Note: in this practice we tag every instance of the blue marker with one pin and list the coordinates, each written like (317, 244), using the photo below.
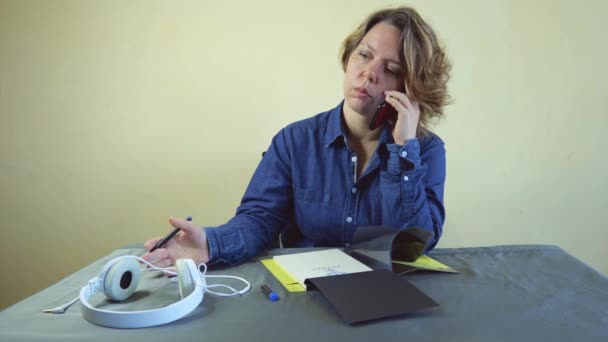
(169, 236)
(269, 293)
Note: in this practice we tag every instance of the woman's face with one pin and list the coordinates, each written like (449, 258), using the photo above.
(372, 68)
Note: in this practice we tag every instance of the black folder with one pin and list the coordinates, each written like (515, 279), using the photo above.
(366, 296)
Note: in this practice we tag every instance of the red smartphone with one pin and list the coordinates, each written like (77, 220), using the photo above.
(384, 112)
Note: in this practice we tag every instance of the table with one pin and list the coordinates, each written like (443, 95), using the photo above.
(504, 293)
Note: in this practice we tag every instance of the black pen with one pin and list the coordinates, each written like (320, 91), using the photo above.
(269, 293)
(169, 236)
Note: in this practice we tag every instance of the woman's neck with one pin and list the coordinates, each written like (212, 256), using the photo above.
(357, 129)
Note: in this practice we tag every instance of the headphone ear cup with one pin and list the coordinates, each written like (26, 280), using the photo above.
(184, 279)
(121, 280)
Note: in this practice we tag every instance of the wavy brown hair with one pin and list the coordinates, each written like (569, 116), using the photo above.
(426, 67)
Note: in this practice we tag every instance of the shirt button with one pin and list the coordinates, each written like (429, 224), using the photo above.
(354, 159)
(349, 219)
(404, 154)
(406, 178)
(353, 190)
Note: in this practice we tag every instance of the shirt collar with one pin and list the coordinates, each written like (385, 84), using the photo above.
(335, 129)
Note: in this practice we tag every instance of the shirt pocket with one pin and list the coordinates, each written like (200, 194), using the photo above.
(313, 214)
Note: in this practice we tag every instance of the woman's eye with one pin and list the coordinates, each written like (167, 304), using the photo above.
(394, 72)
(363, 54)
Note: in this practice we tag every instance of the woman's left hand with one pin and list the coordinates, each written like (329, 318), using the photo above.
(408, 115)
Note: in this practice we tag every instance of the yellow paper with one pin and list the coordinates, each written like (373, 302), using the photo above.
(288, 281)
(427, 263)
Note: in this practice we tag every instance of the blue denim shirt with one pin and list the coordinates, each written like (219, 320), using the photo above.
(307, 178)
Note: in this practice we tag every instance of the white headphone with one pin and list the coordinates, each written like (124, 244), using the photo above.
(118, 280)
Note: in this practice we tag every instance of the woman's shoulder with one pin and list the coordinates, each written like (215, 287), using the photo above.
(318, 125)
(430, 140)
(312, 131)
(318, 120)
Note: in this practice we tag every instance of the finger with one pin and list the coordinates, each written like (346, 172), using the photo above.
(155, 256)
(396, 104)
(186, 226)
(151, 243)
(401, 97)
(163, 263)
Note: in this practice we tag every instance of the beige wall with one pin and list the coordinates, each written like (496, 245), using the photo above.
(115, 115)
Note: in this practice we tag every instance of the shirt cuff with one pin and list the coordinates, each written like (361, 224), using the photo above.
(213, 244)
(403, 158)
(226, 245)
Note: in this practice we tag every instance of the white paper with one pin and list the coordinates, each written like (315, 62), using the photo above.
(328, 262)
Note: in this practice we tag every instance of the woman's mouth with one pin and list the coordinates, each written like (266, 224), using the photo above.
(361, 92)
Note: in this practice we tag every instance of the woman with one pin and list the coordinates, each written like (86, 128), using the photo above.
(331, 173)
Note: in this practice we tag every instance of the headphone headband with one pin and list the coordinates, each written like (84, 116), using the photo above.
(118, 279)
(143, 318)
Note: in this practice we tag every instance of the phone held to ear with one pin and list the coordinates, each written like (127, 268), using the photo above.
(384, 113)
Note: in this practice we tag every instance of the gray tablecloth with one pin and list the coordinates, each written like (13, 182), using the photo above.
(504, 293)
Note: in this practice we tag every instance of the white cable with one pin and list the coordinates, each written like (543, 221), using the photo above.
(222, 294)
(234, 292)
(62, 308)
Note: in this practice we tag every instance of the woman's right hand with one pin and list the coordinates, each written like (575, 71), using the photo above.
(189, 243)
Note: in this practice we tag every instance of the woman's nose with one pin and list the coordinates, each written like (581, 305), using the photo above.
(371, 72)
(370, 75)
